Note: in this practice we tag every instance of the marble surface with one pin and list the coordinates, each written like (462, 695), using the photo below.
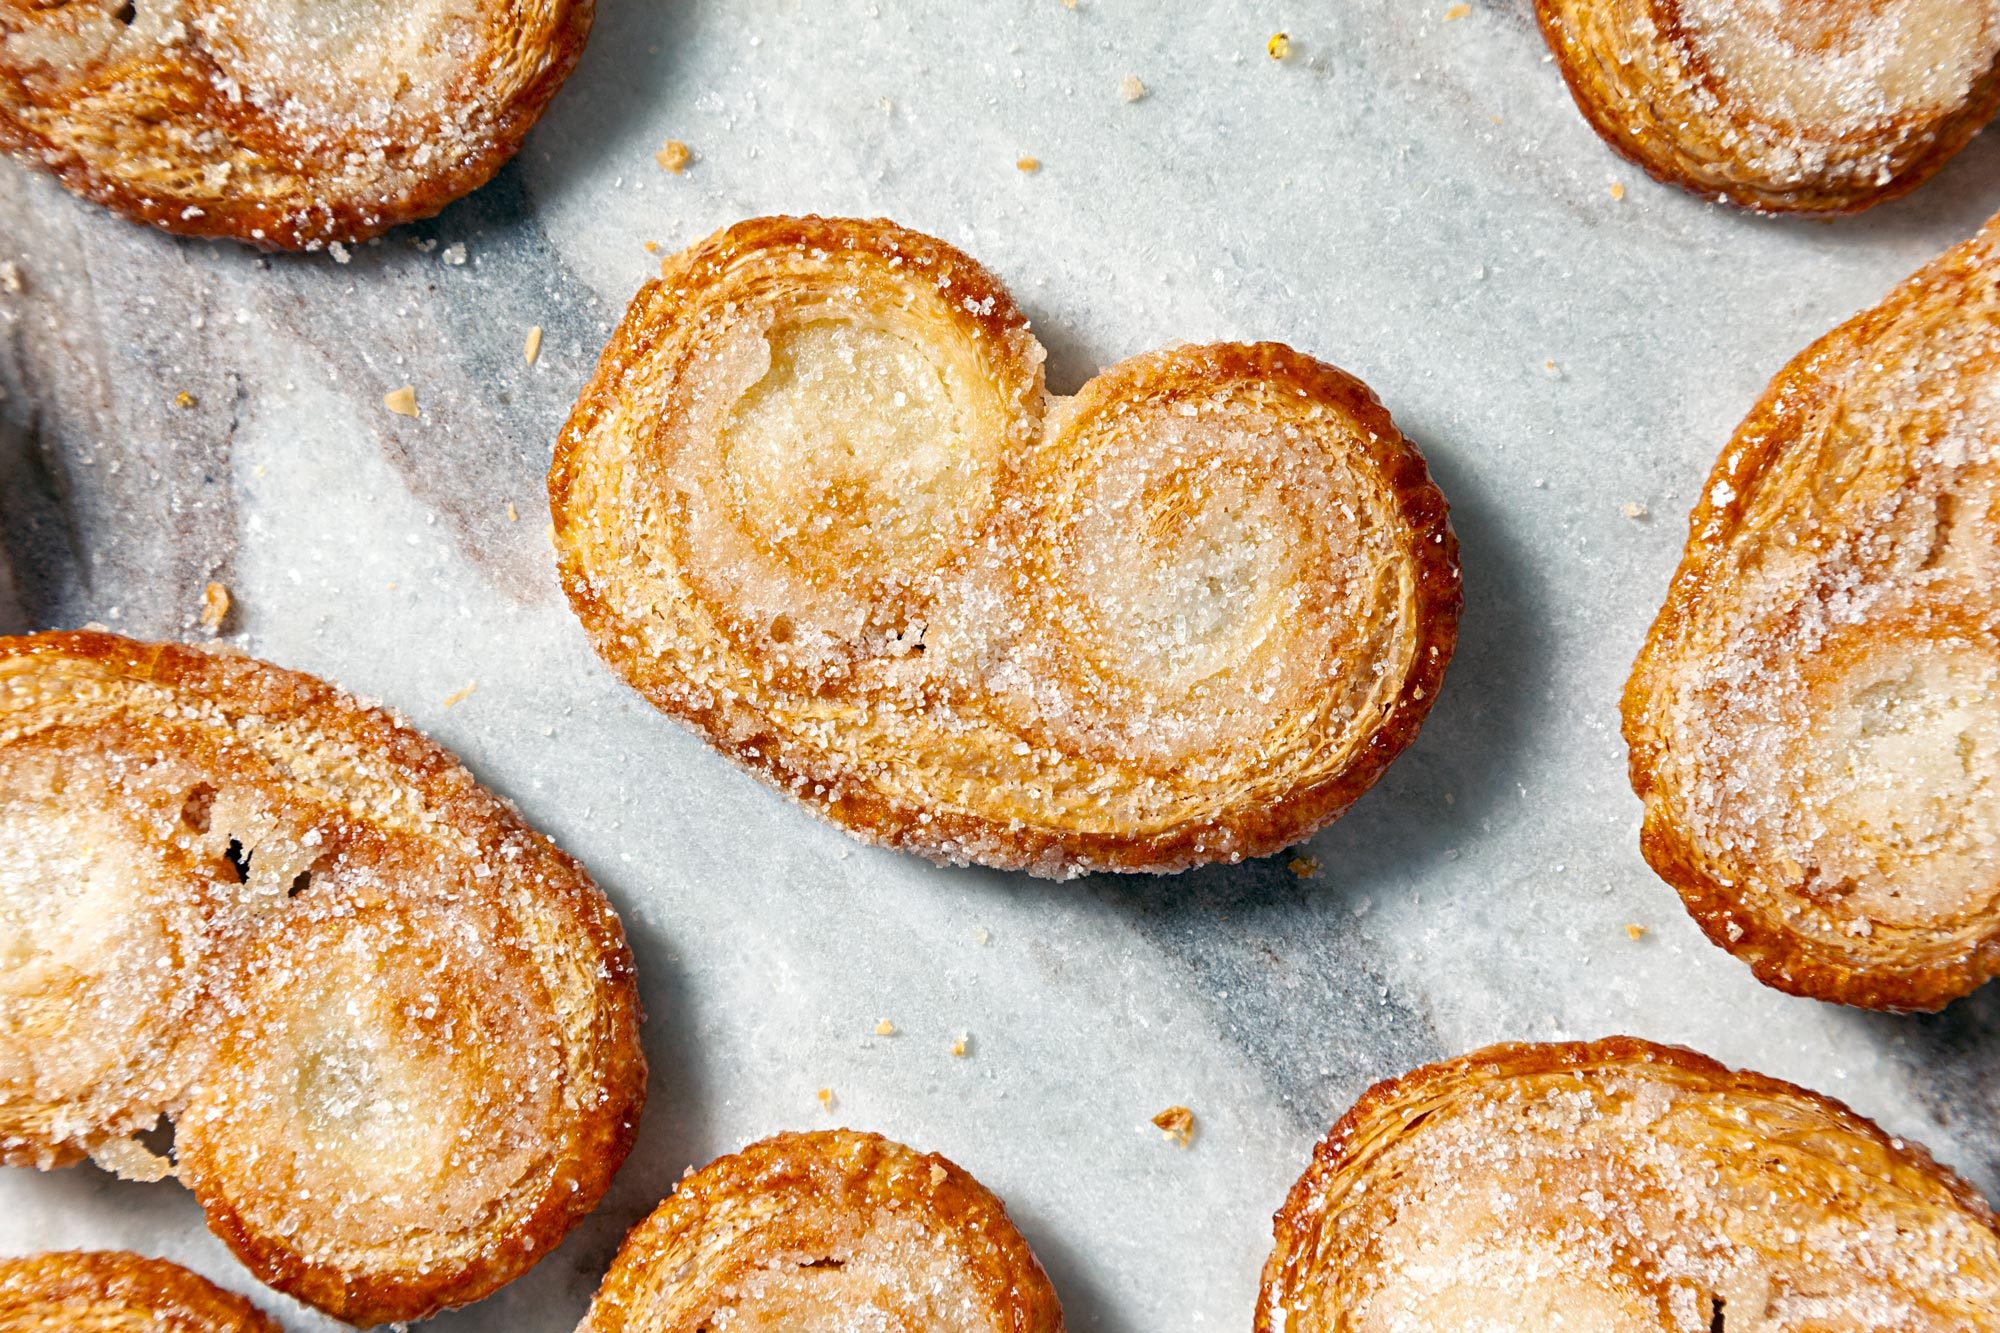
(1414, 199)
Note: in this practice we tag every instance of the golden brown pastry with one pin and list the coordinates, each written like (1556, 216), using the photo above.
(396, 1028)
(829, 1231)
(110, 1291)
(1815, 719)
(1786, 106)
(285, 123)
(1622, 1187)
(817, 503)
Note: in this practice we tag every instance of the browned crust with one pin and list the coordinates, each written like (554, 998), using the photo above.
(739, 1209)
(1778, 954)
(1664, 131)
(746, 735)
(150, 109)
(113, 1290)
(600, 1137)
(1302, 1215)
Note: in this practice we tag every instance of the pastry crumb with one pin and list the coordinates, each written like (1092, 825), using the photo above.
(1632, 509)
(1176, 1123)
(825, 1096)
(184, 399)
(1305, 867)
(652, 247)
(531, 350)
(513, 514)
(10, 278)
(457, 697)
(1617, 191)
(1635, 932)
(1130, 89)
(403, 401)
(674, 156)
(1028, 164)
(1457, 12)
(982, 936)
(962, 1046)
(214, 607)
(885, 1029)
(454, 254)
(1279, 47)
(1551, 369)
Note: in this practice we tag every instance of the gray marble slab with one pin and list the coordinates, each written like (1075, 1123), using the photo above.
(1411, 198)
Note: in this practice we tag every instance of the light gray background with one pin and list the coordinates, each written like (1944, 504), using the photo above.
(1413, 199)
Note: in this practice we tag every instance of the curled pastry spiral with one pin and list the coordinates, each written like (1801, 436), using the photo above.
(1814, 722)
(396, 1028)
(110, 1291)
(834, 1230)
(1622, 1187)
(1822, 107)
(817, 503)
(289, 124)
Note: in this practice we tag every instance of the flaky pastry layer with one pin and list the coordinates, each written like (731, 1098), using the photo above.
(396, 1029)
(1823, 107)
(1619, 1186)
(817, 503)
(829, 1231)
(1814, 721)
(110, 1291)
(289, 124)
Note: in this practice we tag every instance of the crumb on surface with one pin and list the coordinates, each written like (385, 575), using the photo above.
(1550, 368)
(184, 399)
(1305, 867)
(10, 277)
(513, 514)
(214, 607)
(885, 1028)
(652, 247)
(1279, 47)
(962, 1046)
(1635, 932)
(531, 350)
(1457, 12)
(454, 254)
(1617, 191)
(674, 156)
(1029, 164)
(825, 1096)
(1130, 89)
(459, 696)
(982, 936)
(1632, 509)
(1176, 1123)
(403, 401)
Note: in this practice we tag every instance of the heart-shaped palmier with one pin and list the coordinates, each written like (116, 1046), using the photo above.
(395, 1028)
(289, 124)
(817, 503)
(1815, 719)
(110, 1291)
(1826, 106)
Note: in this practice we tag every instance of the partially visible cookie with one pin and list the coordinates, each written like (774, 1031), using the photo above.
(289, 124)
(110, 1291)
(833, 1230)
(1786, 106)
(396, 1029)
(817, 503)
(1814, 721)
(1619, 1186)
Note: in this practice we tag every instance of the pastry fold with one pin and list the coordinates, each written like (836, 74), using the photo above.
(395, 1028)
(110, 1291)
(289, 124)
(1619, 1186)
(1814, 721)
(817, 503)
(832, 1230)
(1785, 106)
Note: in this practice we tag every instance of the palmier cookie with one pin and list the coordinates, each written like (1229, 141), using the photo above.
(1622, 1187)
(1787, 106)
(109, 1291)
(816, 503)
(285, 123)
(396, 1029)
(834, 1230)
(1814, 721)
